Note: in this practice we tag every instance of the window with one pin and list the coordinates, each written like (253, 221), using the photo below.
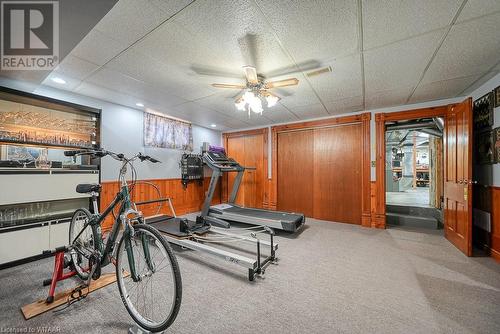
(167, 133)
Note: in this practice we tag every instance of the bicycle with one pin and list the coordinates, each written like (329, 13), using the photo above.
(139, 256)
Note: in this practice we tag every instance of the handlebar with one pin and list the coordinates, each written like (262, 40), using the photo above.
(102, 153)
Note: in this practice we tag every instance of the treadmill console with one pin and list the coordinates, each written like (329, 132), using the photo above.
(218, 157)
(220, 160)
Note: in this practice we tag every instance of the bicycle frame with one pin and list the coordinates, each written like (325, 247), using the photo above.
(106, 250)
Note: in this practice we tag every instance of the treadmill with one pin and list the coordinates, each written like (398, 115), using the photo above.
(220, 215)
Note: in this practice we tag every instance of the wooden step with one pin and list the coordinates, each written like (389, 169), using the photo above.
(32, 310)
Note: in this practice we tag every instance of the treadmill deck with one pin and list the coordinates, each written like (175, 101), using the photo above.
(275, 219)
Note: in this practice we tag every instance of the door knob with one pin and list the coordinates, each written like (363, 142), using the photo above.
(472, 182)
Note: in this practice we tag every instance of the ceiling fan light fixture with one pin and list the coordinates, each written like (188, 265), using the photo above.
(271, 100)
(240, 104)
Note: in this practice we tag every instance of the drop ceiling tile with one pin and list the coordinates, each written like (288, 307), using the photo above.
(219, 102)
(194, 111)
(279, 113)
(105, 94)
(388, 98)
(98, 48)
(71, 83)
(75, 67)
(389, 21)
(34, 77)
(399, 64)
(442, 89)
(470, 48)
(258, 120)
(296, 96)
(345, 105)
(168, 44)
(344, 81)
(166, 77)
(125, 84)
(477, 8)
(314, 30)
(130, 20)
(236, 124)
(224, 26)
(309, 111)
(481, 81)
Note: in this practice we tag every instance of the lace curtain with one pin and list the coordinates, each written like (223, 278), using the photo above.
(167, 133)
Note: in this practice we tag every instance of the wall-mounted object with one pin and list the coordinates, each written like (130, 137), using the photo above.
(497, 96)
(35, 120)
(484, 148)
(496, 145)
(37, 182)
(165, 132)
(191, 168)
(483, 112)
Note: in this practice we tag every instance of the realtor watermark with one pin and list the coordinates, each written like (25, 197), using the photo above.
(38, 329)
(29, 35)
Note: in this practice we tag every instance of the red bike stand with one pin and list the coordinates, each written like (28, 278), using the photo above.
(58, 275)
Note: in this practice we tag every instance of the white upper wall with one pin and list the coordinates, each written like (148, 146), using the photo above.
(122, 132)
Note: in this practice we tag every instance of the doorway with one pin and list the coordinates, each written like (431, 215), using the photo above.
(457, 167)
(414, 174)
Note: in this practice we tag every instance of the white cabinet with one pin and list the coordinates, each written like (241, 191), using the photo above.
(23, 243)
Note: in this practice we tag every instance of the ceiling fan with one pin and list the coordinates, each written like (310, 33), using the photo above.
(257, 89)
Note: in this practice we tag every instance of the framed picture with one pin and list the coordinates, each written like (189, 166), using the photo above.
(484, 148)
(496, 146)
(483, 112)
(497, 97)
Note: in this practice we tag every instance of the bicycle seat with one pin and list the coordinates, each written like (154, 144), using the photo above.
(86, 188)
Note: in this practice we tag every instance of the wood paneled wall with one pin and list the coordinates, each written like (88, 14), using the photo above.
(184, 200)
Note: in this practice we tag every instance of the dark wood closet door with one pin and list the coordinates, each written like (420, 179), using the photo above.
(337, 174)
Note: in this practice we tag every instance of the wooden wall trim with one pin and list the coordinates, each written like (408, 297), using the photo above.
(244, 133)
(364, 119)
(378, 216)
(366, 171)
(439, 111)
(322, 122)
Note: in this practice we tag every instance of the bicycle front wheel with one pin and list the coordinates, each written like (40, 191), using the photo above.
(83, 238)
(154, 298)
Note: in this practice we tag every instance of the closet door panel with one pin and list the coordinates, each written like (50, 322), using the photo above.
(337, 174)
(295, 172)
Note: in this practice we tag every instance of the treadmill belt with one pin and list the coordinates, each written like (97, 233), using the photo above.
(282, 216)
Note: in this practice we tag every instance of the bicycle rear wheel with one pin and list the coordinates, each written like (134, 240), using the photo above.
(85, 243)
(154, 300)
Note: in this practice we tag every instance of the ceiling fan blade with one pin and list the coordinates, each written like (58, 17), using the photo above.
(249, 51)
(251, 74)
(230, 86)
(293, 69)
(214, 72)
(320, 71)
(282, 83)
(267, 92)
